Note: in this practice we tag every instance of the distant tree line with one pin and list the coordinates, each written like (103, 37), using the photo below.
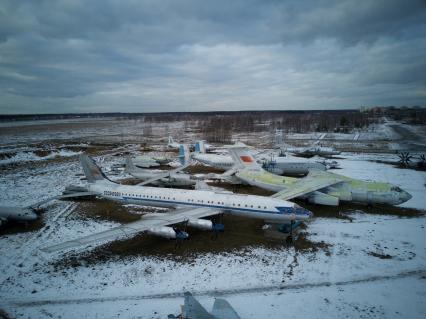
(252, 121)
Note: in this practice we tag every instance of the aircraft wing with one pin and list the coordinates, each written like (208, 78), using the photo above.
(163, 175)
(146, 223)
(72, 195)
(314, 181)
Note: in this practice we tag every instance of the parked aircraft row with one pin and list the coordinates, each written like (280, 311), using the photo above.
(318, 187)
(191, 207)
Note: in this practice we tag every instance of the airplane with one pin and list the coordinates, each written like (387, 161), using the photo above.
(318, 187)
(311, 151)
(32, 212)
(172, 144)
(291, 166)
(194, 310)
(191, 206)
(162, 178)
(150, 161)
(277, 166)
(222, 162)
(25, 214)
(314, 150)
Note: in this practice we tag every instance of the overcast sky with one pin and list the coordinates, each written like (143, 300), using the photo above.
(145, 56)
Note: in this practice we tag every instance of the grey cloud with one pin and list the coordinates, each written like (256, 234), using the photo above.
(146, 55)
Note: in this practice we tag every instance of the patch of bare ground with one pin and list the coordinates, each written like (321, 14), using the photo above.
(303, 244)
(202, 169)
(129, 181)
(42, 153)
(397, 164)
(7, 155)
(13, 227)
(242, 189)
(240, 234)
(380, 255)
(4, 315)
(101, 209)
(344, 211)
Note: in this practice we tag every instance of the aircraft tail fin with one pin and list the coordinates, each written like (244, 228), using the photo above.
(222, 309)
(184, 154)
(91, 170)
(129, 165)
(242, 157)
(200, 147)
(171, 140)
(193, 309)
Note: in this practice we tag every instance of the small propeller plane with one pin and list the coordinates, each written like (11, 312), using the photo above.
(191, 206)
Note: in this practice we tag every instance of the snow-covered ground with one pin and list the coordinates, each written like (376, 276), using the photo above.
(346, 279)
(371, 267)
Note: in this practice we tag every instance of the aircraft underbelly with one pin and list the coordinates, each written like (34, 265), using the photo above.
(268, 216)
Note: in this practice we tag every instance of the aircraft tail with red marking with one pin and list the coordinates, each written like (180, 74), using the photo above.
(243, 158)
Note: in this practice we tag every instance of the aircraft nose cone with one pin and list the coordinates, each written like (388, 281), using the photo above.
(405, 196)
(303, 213)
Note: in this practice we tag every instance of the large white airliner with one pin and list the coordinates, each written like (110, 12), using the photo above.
(192, 206)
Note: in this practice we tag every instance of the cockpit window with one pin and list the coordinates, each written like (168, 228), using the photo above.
(396, 189)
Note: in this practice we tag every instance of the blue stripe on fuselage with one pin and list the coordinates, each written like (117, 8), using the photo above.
(280, 209)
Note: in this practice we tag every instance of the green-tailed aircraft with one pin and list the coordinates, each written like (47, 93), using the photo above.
(318, 187)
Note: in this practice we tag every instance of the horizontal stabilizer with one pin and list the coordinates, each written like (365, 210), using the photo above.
(223, 310)
(193, 309)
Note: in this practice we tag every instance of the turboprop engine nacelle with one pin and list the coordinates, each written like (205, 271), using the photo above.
(203, 224)
(163, 231)
(323, 199)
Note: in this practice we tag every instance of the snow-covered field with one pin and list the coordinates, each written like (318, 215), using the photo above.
(371, 267)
